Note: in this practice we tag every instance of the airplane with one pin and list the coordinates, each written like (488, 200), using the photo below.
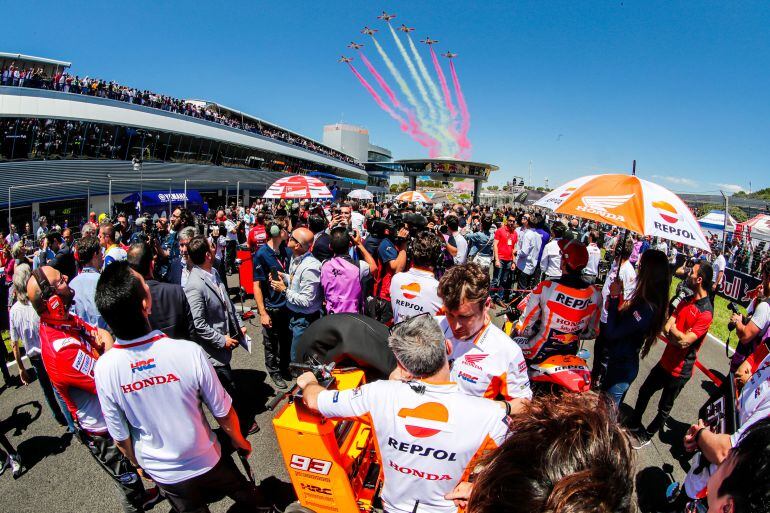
(404, 28)
(368, 31)
(428, 41)
(449, 55)
(386, 17)
(345, 59)
(355, 46)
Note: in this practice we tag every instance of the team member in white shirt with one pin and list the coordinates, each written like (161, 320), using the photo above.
(152, 390)
(550, 261)
(416, 291)
(591, 270)
(457, 246)
(528, 253)
(484, 361)
(719, 267)
(112, 252)
(430, 434)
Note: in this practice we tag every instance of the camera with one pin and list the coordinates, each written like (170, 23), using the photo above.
(683, 292)
(734, 309)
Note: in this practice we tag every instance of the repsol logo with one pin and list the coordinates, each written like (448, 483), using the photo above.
(419, 450)
(419, 473)
(572, 302)
(679, 232)
(148, 382)
(407, 304)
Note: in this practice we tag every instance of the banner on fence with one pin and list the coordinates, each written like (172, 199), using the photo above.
(737, 285)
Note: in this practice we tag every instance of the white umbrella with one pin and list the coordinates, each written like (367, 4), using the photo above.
(297, 187)
(628, 202)
(360, 194)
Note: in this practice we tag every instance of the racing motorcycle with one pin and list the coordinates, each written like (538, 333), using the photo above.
(561, 372)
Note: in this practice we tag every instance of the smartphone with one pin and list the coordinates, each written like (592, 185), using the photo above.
(274, 274)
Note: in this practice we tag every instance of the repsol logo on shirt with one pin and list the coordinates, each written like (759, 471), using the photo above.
(411, 306)
(419, 450)
(571, 302)
(136, 386)
(419, 473)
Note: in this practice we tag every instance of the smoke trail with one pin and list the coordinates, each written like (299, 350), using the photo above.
(420, 112)
(444, 86)
(414, 128)
(416, 77)
(465, 117)
(428, 79)
(377, 98)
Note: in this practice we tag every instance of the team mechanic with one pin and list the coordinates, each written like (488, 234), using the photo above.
(429, 432)
(483, 360)
(752, 405)
(562, 312)
(70, 348)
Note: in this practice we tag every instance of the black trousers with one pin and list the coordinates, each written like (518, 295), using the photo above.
(225, 375)
(601, 357)
(194, 495)
(277, 341)
(658, 379)
(123, 474)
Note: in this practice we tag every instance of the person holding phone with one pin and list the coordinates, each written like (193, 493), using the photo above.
(270, 258)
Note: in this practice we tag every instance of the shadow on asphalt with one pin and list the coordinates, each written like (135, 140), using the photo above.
(280, 493)
(254, 393)
(21, 418)
(651, 485)
(35, 449)
(673, 436)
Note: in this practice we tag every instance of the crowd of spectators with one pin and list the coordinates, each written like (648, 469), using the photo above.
(15, 76)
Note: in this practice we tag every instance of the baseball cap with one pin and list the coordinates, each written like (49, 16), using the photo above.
(574, 254)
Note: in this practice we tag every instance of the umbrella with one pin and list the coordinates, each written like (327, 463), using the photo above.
(297, 187)
(360, 194)
(411, 196)
(628, 202)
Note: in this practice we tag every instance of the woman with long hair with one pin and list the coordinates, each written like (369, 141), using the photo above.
(632, 327)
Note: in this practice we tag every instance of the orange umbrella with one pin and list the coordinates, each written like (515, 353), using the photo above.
(628, 202)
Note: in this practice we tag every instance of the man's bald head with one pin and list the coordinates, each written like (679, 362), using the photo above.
(304, 236)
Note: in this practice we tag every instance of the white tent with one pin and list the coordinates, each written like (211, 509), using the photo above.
(757, 228)
(714, 221)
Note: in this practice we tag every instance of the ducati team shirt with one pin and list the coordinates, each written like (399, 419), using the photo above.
(414, 292)
(489, 364)
(427, 439)
(151, 390)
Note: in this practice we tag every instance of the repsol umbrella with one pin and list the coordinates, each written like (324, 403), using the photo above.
(297, 187)
(628, 202)
(412, 196)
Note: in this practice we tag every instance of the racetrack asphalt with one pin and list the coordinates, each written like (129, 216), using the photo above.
(61, 476)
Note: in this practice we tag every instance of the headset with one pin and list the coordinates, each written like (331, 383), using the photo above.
(54, 304)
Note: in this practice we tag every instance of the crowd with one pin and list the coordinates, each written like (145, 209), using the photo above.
(16, 76)
(131, 330)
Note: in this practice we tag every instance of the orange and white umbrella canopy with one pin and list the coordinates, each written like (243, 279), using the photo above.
(412, 196)
(628, 202)
(297, 187)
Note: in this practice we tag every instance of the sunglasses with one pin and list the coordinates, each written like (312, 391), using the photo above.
(298, 243)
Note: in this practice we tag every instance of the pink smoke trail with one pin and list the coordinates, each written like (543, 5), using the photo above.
(465, 117)
(414, 129)
(442, 81)
(378, 99)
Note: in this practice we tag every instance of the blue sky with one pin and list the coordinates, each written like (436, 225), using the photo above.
(575, 87)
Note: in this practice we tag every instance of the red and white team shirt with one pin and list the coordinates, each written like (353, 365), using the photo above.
(489, 364)
(414, 292)
(151, 390)
(430, 437)
(69, 356)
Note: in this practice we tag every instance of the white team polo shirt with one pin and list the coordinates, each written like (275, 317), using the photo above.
(151, 390)
(429, 435)
(489, 364)
(412, 293)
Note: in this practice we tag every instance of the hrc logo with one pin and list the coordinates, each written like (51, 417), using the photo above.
(143, 365)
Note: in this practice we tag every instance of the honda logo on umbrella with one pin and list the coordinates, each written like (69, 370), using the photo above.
(600, 205)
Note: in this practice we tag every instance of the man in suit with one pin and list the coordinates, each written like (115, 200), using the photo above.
(64, 260)
(171, 312)
(217, 327)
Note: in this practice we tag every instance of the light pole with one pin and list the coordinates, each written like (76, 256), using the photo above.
(137, 163)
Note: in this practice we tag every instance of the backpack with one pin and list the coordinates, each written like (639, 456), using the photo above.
(341, 282)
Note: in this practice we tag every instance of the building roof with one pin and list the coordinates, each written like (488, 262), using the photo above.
(32, 58)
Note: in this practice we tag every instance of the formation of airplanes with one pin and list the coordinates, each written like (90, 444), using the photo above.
(386, 17)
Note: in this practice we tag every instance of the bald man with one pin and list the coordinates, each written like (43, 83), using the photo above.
(70, 348)
(302, 286)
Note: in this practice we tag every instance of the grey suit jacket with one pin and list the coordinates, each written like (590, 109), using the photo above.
(211, 317)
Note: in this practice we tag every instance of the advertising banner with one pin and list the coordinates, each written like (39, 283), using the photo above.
(737, 285)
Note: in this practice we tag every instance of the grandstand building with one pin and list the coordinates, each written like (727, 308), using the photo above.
(70, 145)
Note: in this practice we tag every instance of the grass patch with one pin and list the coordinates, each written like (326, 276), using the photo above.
(721, 316)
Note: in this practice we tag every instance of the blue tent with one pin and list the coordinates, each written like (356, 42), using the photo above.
(153, 201)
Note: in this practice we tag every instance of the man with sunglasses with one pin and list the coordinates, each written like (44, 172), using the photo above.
(302, 285)
(753, 329)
